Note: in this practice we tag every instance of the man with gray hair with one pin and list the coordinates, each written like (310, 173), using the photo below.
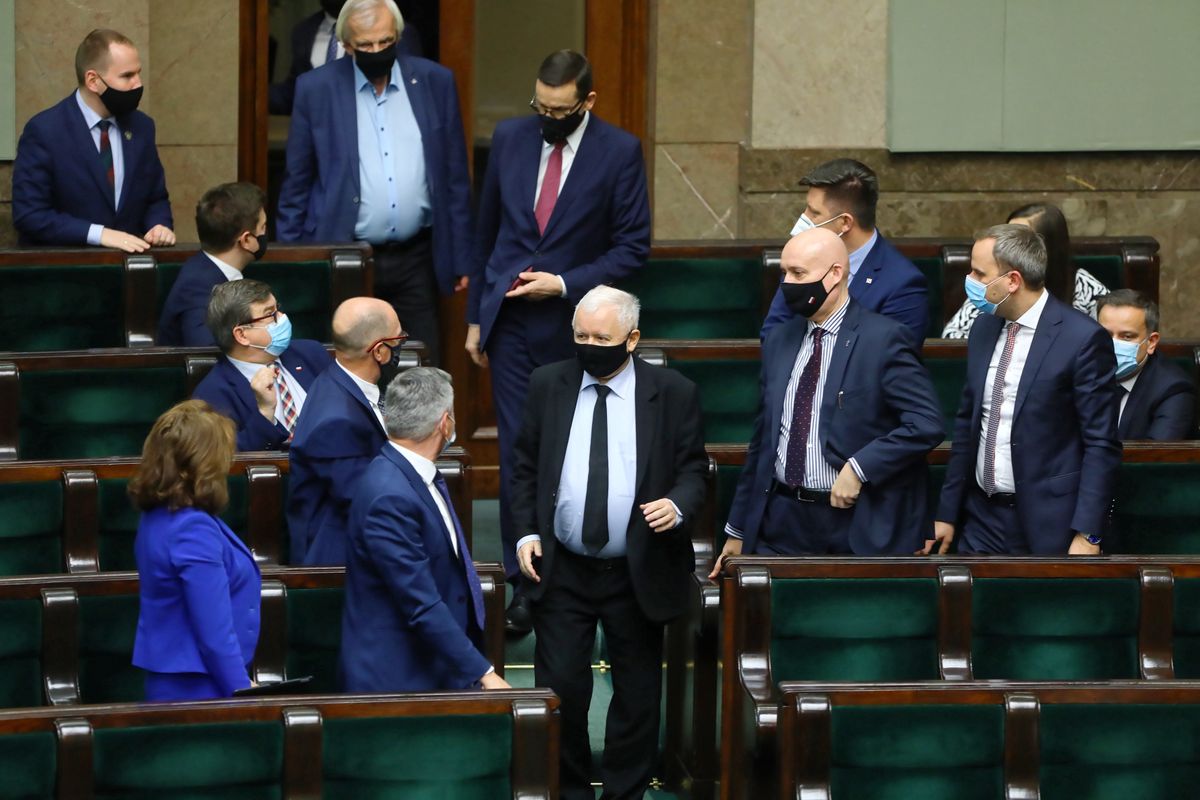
(263, 376)
(413, 620)
(1035, 456)
(608, 477)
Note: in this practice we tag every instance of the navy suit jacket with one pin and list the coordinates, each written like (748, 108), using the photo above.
(318, 201)
(228, 391)
(886, 283)
(199, 590)
(181, 323)
(60, 189)
(337, 435)
(1162, 404)
(413, 620)
(599, 231)
(879, 407)
(1065, 451)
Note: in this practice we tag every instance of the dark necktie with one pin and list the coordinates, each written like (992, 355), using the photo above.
(106, 156)
(802, 411)
(331, 49)
(993, 428)
(439, 483)
(595, 506)
(546, 200)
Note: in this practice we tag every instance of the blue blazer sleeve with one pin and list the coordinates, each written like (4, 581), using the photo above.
(909, 304)
(301, 172)
(158, 202)
(755, 450)
(487, 226)
(458, 186)
(1096, 403)
(1174, 417)
(34, 214)
(777, 314)
(254, 431)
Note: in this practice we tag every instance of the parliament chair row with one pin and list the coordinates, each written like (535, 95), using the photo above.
(496, 744)
(78, 299)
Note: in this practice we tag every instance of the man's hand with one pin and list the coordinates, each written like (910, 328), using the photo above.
(845, 488)
(119, 240)
(537, 286)
(525, 556)
(263, 386)
(478, 356)
(659, 514)
(943, 535)
(463, 282)
(160, 236)
(1080, 546)
(733, 547)
(494, 681)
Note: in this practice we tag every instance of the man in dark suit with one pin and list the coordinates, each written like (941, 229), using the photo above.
(232, 225)
(842, 195)
(399, 182)
(836, 463)
(608, 477)
(1035, 455)
(340, 430)
(262, 379)
(87, 169)
(413, 620)
(563, 209)
(1158, 399)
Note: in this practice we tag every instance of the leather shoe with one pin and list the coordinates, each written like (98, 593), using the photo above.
(519, 617)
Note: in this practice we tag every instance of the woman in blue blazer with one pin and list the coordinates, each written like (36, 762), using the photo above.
(199, 584)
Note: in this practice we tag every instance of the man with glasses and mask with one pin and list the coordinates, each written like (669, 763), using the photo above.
(232, 225)
(341, 429)
(376, 153)
(262, 379)
(836, 463)
(842, 195)
(563, 209)
(87, 169)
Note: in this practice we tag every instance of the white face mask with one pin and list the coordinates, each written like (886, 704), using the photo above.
(805, 224)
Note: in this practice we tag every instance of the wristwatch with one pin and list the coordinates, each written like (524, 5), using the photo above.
(1091, 538)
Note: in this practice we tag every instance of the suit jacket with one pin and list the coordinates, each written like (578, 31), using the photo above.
(181, 323)
(227, 390)
(337, 436)
(200, 592)
(1162, 404)
(413, 620)
(60, 189)
(318, 200)
(671, 462)
(1065, 451)
(878, 407)
(599, 231)
(886, 283)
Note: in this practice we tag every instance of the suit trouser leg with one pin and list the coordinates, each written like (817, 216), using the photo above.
(404, 276)
(793, 527)
(990, 528)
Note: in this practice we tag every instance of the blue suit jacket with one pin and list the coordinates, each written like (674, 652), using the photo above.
(181, 323)
(879, 407)
(318, 201)
(1162, 404)
(1065, 451)
(60, 190)
(598, 234)
(200, 592)
(337, 435)
(228, 391)
(886, 283)
(413, 620)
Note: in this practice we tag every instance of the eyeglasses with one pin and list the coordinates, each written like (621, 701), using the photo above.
(391, 341)
(273, 316)
(554, 113)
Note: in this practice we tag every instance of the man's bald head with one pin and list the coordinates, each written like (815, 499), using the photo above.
(361, 321)
(816, 249)
(816, 256)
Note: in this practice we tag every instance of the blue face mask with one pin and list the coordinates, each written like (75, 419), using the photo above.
(977, 294)
(1127, 360)
(281, 336)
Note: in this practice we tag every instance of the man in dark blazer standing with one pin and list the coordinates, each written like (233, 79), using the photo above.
(376, 153)
(262, 379)
(341, 430)
(842, 195)
(87, 169)
(1158, 399)
(607, 480)
(563, 209)
(413, 620)
(836, 463)
(1035, 455)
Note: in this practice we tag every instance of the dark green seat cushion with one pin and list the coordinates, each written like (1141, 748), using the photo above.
(859, 629)
(62, 308)
(108, 625)
(934, 271)
(20, 653)
(1108, 270)
(31, 516)
(1055, 629)
(949, 376)
(1187, 628)
(929, 752)
(418, 758)
(28, 764)
(315, 635)
(234, 761)
(701, 298)
(729, 396)
(1158, 509)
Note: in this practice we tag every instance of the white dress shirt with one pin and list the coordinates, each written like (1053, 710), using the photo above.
(427, 470)
(118, 156)
(1003, 473)
(321, 42)
(1127, 385)
(369, 390)
(249, 369)
(230, 272)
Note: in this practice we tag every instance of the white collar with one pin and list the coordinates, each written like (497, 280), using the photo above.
(230, 272)
(1031, 317)
(621, 383)
(369, 390)
(1128, 383)
(424, 467)
(248, 368)
(576, 135)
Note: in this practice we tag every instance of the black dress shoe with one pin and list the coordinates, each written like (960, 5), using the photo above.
(519, 617)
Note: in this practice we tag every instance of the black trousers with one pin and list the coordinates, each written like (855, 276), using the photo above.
(991, 527)
(405, 278)
(793, 527)
(582, 592)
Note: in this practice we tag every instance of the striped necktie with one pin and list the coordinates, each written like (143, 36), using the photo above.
(290, 412)
(993, 428)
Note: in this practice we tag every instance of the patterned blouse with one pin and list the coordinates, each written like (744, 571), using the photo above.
(1087, 291)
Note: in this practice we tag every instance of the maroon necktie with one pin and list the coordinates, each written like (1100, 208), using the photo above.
(106, 156)
(549, 194)
(802, 408)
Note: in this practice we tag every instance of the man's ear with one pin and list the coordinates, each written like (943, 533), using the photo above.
(848, 222)
(1152, 343)
(239, 336)
(635, 336)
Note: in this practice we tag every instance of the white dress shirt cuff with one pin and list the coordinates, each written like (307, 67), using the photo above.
(857, 470)
(732, 532)
(563, 284)
(524, 540)
(93, 237)
(678, 514)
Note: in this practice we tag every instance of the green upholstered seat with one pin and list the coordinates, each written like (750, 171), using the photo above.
(418, 758)
(1051, 629)
(107, 627)
(702, 298)
(1106, 269)
(1157, 509)
(61, 307)
(20, 653)
(856, 629)
(949, 376)
(314, 635)
(934, 270)
(728, 396)
(31, 520)
(28, 764)
(928, 752)
(1186, 634)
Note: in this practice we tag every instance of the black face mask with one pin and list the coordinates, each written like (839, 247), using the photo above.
(557, 130)
(262, 247)
(389, 370)
(600, 360)
(333, 7)
(376, 65)
(805, 298)
(121, 102)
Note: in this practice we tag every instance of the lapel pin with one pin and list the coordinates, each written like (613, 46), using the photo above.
(129, 136)
(298, 368)
(870, 280)
(413, 81)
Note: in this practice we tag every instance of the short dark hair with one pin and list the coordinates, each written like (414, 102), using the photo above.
(93, 51)
(225, 211)
(1019, 248)
(1131, 298)
(229, 307)
(567, 66)
(1048, 220)
(851, 185)
(185, 460)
